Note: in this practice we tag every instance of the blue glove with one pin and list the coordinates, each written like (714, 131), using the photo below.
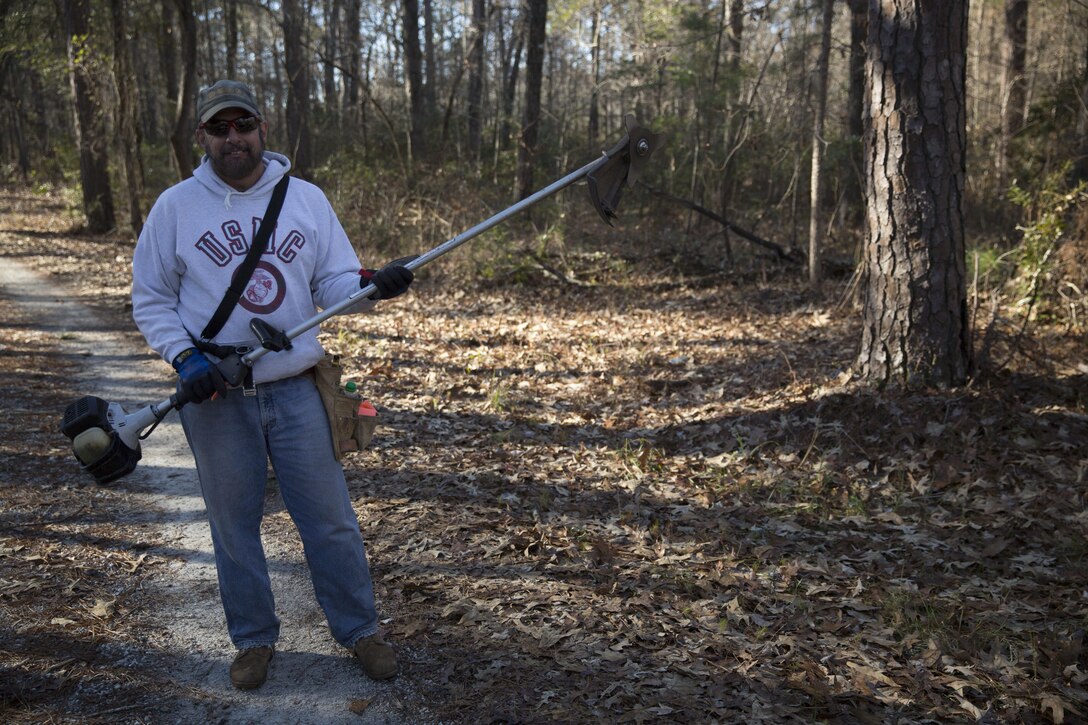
(392, 280)
(198, 378)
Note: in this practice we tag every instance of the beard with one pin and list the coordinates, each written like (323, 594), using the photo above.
(237, 160)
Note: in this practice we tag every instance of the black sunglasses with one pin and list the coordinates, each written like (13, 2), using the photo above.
(243, 124)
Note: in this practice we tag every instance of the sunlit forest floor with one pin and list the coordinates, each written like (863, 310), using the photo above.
(638, 500)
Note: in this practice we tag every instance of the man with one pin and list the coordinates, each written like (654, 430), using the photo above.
(196, 235)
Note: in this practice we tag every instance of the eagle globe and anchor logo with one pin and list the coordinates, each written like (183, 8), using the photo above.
(265, 291)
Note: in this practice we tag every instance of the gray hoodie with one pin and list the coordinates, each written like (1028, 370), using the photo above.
(198, 233)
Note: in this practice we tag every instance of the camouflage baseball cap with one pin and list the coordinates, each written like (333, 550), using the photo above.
(225, 94)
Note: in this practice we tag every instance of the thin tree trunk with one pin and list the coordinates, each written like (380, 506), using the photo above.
(231, 8)
(331, 10)
(168, 57)
(181, 137)
(90, 126)
(736, 31)
(298, 88)
(816, 175)
(915, 327)
(128, 130)
(1080, 165)
(413, 66)
(1013, 83)
(354, 30)
(534, 77)
(430, 84)
(594, 94)
(511, 66)
(859, 18)
(476, 81)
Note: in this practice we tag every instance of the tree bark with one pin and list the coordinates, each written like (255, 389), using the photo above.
(1080, 163)
(128, 130)
(413, 68)
(476, 81)
(816, 176)
(231, 11)
(332, 12)
(736, 32)
(915, 327)
(430, 84)
(298, 89)
(855, 105)
(181, 137)
(511, 64)
(354, 41)
(594, 124)
(90, 125)
(168, 57)
(1013, 82)
(534, 77)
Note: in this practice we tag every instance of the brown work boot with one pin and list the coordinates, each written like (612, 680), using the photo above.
(377, 658)
(250, 668)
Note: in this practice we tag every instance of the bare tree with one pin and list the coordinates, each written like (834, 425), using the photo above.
(595, 62)
(89, 122)
(413, 68)
(128, 130)
(1080, 162)
(534, 76)
(855, 104)
(354, 46)
(231, 11)
(430, 83)
(298, 88)
(915, 327)
(332, 10)
(736, 31)
(816, 177)
(510, 55)
(1013, 83)
(181, 136)
(476, 72)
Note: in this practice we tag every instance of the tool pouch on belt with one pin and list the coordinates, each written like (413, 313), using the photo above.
(352, 419)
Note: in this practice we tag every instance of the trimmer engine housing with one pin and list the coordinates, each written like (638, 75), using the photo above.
(90, 424)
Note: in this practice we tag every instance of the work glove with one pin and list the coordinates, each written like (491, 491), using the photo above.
(392, 280)
(198, 378)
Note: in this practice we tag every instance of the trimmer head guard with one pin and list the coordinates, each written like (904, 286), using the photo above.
(625, 162)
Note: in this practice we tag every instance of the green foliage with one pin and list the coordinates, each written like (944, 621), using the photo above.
(1047, 209)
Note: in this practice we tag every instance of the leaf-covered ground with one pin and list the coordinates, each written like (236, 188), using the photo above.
(644, 501)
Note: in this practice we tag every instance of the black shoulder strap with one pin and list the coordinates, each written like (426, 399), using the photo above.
(245, 269)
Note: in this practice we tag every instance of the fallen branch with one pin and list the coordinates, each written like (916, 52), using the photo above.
(791, 256)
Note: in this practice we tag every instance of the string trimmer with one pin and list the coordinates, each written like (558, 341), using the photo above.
(106, 439)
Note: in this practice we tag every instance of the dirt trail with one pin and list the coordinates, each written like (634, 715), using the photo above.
(312, 677)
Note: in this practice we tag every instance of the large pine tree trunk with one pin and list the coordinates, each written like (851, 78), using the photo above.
(89, 122)
(915, 317)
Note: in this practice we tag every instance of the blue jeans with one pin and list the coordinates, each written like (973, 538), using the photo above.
(232, 439)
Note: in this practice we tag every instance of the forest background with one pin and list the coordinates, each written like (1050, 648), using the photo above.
(659, 421)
